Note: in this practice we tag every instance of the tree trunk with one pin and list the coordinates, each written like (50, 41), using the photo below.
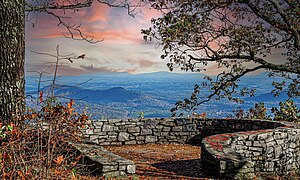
(12, 57)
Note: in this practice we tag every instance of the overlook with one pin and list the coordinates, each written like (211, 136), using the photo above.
(149, 89)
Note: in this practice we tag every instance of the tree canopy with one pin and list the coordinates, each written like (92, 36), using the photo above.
(238, 36)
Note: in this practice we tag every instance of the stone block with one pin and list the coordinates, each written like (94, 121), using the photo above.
(258, 143)
(248, 143)
(112, 138)
(100, 140)
(123, 136)
(109, 168)
(104, 143)
(150, 123)
(131, 137)
(140, 138)
(89, 131)
(109, 175)
(181, 121)
(167, 123)
(97, 130)
(164, 133)
(177, 128)
(263, 136)
(115, 120)
(93, 137)
(270, 143)
(107, 128)
(98, 123)
(158, 134)
(171, 137)
(130, 142)
(269, 139)
(130, 169)
(159, 127)
(280, 141)
(146, 131)
(166, 129)
(120, 124)
(134, 129)
(150, 139)
(189, 127)
(256, 149)
(112, 133)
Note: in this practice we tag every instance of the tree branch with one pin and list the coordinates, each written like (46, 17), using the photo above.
(42, 8)
(233, 79)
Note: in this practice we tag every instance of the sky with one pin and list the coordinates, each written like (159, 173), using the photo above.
(122, 49)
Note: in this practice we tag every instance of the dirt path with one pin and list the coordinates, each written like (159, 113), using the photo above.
(163, 161)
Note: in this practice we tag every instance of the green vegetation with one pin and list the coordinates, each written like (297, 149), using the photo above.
(287, 111)
(259, 111)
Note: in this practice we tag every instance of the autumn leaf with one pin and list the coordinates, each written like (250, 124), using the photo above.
(20, 173)
(41, 96)
(78, 158)
(73, 163)
(59, 159)
(57, 172)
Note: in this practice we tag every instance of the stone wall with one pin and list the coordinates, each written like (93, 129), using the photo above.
(230, 147)
(166, 130)
(248, 154)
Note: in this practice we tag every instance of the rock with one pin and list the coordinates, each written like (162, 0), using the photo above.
(107, 128)
(123, 136)
(131, 169)
(133, 129)
(146, 131)
(150, 139)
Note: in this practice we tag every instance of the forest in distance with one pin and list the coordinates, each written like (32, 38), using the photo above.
(122, 95)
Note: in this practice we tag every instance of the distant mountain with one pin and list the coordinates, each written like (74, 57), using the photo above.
(268, 97)
(116, 94)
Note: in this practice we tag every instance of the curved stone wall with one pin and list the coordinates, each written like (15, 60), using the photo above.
(230, 147)
(166, 130)
(248, 154)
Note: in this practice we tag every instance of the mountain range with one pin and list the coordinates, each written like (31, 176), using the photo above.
(120, 95)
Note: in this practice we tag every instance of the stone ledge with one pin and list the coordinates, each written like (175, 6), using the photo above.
(242, 155)
(223, 155)
(104, 162)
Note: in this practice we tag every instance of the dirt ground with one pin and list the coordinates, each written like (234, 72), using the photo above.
(163, 161)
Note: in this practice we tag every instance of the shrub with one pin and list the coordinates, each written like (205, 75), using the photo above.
(36, 145)
(259, 111)
(287, 111)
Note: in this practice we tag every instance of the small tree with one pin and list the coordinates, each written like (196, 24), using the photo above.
(237, 36)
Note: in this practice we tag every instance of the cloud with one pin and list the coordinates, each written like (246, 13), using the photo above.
(123, 48)
(91, 69)
(141, 63)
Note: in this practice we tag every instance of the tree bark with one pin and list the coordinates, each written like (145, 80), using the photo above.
(12, 57)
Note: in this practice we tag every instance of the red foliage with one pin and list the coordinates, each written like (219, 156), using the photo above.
(41, 96)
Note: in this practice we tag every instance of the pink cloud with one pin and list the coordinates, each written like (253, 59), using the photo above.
(121, 34)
